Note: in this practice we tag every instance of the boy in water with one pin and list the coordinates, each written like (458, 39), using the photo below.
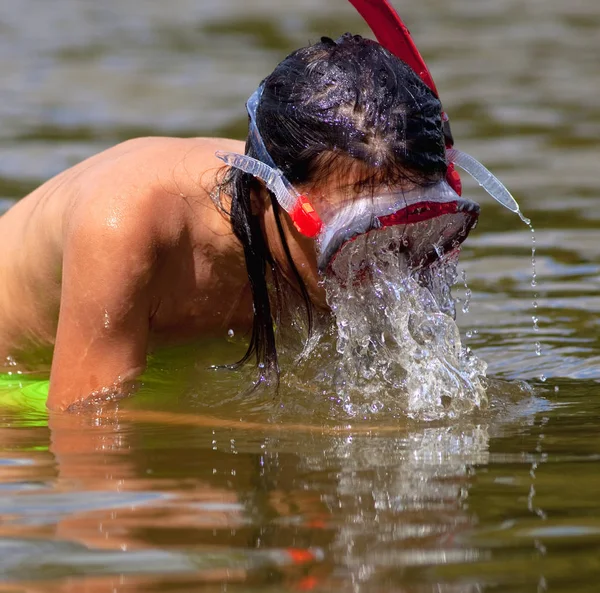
(154, 241)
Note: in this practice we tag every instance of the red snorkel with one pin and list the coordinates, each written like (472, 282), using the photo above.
(393, 34)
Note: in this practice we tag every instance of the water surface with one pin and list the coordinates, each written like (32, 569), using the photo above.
(193, 485)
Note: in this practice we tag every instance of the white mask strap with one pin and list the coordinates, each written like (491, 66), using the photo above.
(484, 177)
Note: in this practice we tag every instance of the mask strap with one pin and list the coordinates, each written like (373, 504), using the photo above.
(484, 177)
(300, 210)
(256, 139)
(303, 215)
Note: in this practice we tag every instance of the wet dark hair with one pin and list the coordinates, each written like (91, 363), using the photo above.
(334, 104)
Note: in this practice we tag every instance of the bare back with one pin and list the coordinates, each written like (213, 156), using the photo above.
(127, 242)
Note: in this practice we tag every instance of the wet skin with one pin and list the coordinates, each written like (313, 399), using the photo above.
(126, 252)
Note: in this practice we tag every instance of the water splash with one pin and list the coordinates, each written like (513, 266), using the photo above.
(398, 346)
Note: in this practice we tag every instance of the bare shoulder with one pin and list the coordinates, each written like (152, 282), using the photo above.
(184, 161)
(149, 187)
(151, 177)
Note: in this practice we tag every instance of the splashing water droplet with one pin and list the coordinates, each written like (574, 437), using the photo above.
(398, 346)
(468, 292)
(538, 349)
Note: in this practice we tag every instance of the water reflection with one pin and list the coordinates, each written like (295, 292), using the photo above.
(401, 502)
(186, 500)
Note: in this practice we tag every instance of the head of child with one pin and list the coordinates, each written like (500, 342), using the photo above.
(340, 119)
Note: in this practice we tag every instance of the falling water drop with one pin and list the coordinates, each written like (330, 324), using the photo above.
(468, 292)
(535, 317)
(533, 262)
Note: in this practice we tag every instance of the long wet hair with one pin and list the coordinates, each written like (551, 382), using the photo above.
(331, 105)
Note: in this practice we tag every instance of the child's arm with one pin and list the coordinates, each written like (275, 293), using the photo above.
(110, 254)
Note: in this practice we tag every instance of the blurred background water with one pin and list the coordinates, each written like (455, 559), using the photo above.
(175, 493)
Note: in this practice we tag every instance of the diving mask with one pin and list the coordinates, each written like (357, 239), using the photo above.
(428, 221)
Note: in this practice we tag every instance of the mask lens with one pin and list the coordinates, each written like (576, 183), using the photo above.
(420, 226)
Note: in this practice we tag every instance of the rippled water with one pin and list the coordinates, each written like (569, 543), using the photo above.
(190, 484)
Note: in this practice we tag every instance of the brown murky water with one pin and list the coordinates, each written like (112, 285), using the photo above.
(193, 486)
